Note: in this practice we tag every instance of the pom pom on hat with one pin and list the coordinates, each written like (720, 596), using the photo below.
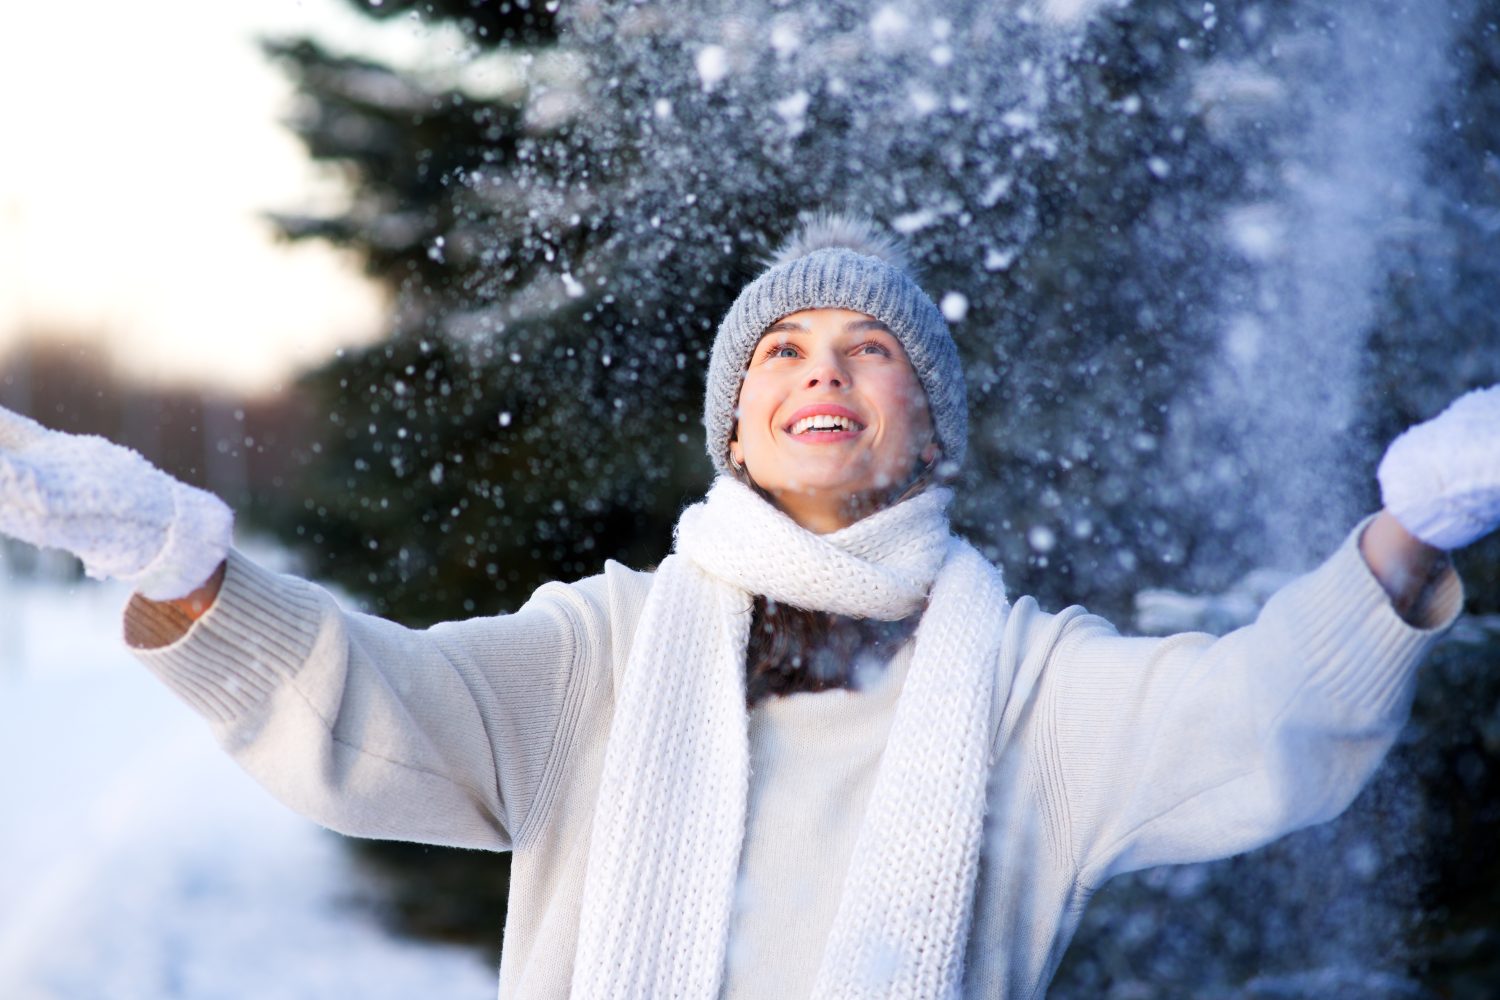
(827, 230)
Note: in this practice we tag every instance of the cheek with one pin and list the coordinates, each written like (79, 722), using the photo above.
(915, 425)
(755, 406)
(909, 406)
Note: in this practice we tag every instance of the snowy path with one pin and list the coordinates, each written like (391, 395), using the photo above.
(136, 861)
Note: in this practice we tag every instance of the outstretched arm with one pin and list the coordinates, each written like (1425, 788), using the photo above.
(1190, 747)
(444, 735)
(449, 735)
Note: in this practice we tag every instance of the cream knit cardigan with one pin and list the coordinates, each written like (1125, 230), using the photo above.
(492, 733)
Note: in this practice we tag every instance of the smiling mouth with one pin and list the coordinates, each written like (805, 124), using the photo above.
(824, 423)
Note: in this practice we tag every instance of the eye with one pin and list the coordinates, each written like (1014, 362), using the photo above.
(873, 347)
(781, 350)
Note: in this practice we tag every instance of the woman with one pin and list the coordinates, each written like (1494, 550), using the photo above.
(933, 825)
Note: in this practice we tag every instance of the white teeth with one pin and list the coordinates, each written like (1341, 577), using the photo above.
(824, 422)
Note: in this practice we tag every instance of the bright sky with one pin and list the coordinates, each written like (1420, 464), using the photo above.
(141, 141)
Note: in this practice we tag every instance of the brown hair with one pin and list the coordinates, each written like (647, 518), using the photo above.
(793, 649)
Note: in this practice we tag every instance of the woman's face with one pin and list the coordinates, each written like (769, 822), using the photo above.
(831, 417)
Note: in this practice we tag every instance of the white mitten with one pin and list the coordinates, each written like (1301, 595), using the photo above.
(110, 507)
(1441, 478)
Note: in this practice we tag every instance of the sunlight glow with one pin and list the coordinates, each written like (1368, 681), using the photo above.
(141, 151)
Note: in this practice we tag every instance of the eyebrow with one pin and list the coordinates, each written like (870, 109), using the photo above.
(853, 326)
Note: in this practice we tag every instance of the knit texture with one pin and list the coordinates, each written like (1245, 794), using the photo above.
(838, 278)
(1441, 478)
(107, 505)
(671, 811)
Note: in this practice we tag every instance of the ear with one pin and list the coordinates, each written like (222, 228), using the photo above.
(736, 453)
(931, 453)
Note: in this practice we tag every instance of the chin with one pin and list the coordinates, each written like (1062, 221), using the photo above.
(830, 481)
(843, 494)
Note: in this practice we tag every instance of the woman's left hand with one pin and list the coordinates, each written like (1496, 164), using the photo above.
(1441, 478)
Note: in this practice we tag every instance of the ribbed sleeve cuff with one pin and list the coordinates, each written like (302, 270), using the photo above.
(1345, 622)
(258, 633)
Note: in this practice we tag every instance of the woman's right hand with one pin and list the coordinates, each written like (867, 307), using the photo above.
(107, 505)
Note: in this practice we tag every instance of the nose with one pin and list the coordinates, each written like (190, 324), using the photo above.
(828, 370)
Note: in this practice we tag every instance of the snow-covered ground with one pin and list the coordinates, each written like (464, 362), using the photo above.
(136, 861)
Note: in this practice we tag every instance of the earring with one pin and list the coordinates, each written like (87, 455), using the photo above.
(735, 463)
(933, 463)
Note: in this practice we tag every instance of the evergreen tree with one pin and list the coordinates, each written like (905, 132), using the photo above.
(560, 257)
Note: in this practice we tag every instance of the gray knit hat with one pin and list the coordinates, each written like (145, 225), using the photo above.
(839, 262)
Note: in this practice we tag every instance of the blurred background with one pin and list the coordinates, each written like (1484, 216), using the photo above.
(425, 290)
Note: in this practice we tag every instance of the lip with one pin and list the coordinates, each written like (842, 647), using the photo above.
(820, 410)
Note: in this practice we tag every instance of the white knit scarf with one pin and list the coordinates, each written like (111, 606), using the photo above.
(670, 820)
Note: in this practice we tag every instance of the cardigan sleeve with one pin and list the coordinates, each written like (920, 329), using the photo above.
(442, 736)
(1189, 748)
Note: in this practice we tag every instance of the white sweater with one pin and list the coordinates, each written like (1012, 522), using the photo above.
(490, 733)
